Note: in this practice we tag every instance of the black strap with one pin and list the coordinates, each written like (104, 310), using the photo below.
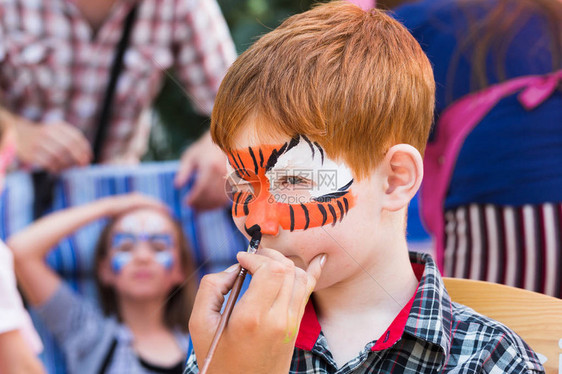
(106, 109)
(44, 182)
(108, 356)
(43, 191)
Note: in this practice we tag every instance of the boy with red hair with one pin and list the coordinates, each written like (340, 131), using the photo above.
(324, 121)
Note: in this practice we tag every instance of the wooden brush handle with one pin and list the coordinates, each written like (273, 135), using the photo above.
(225, 317)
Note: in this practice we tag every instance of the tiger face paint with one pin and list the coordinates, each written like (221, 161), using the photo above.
(292, 185)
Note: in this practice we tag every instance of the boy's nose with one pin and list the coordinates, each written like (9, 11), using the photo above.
(264, 214)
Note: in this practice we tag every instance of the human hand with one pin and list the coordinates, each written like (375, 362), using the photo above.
(210, 163)
(120, 204)
(54, 147)
(263, 327)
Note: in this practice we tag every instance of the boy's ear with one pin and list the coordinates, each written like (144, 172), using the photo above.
(403, 176)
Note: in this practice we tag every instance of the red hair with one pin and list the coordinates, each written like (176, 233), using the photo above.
(354, 81)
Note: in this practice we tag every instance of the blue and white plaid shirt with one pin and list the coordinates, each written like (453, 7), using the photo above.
(431, 334)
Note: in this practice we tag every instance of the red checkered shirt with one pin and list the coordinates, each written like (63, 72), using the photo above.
(54, 67)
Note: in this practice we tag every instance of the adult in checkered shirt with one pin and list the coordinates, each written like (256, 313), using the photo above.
(55, 58)
(342, 90)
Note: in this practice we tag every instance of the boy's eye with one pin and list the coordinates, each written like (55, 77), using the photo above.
(294, 180)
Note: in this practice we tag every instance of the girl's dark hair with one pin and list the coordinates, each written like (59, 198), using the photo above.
(180, 299)
(495, 32)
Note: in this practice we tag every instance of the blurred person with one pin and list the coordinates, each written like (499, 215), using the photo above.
(19, 342)
(493, 188)
(55, 63)
(144, 274)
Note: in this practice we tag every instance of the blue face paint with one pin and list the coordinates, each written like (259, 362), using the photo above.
(125, 241)
(165, 259)
(123, 245)
(119, 260)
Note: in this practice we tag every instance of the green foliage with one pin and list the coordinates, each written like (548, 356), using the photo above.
(248, 19)
(175, 124)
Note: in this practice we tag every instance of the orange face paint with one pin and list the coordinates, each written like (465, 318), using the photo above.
(263, 208)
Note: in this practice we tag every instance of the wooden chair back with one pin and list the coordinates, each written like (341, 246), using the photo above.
(537, 318)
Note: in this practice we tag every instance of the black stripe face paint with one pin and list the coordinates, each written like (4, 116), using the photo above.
(254, 160)
(324, 214)
(321, 150)
(340, 206)
(334, 216)
(293, 143)
(242, 166)
(329, 197)
(306, 216)
(292, 217)
(346, 187)
(246, 202)
(237, 201)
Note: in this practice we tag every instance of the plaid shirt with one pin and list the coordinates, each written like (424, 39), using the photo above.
(430, 335)
(54, 67)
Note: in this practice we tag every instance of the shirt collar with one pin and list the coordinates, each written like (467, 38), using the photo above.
(431, 316)
(427, 315)
(309, 330)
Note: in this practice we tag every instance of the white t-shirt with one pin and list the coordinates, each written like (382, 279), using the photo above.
(13, 315)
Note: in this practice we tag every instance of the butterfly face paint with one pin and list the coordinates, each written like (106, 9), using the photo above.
(124, 244)
(293, 185)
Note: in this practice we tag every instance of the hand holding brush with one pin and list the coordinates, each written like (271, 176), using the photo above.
(260, 334)
(252, 248)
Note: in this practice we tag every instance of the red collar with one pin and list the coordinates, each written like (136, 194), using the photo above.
(310, 327)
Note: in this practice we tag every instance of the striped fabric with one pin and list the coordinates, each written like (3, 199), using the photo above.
(212, 235)
(517, 246)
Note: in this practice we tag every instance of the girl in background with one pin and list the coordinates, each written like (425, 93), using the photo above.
(145, 279)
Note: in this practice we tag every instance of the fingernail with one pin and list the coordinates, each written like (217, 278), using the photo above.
(322, 260)
(231, 269)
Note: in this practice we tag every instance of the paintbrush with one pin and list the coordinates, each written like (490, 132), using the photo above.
(255, 233)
